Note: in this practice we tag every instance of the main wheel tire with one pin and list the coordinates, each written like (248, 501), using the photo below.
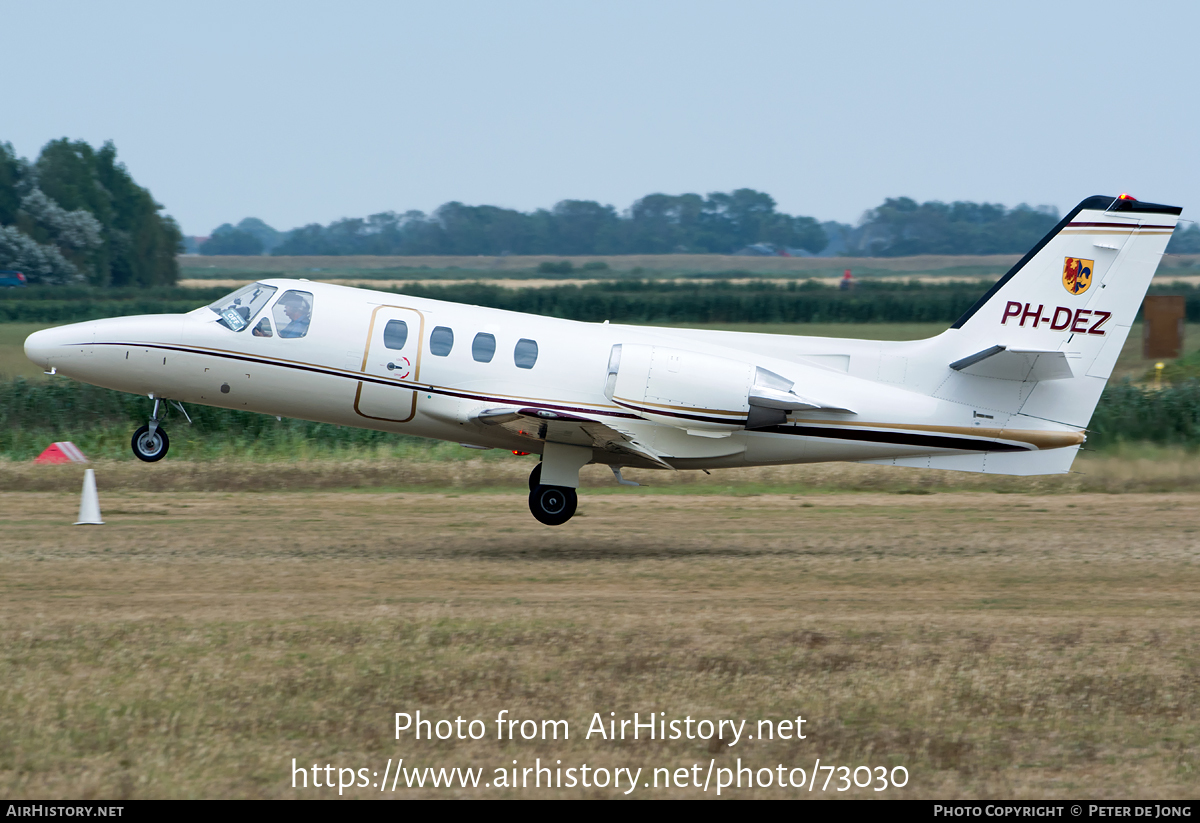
(150, 448)
(535, 477)
(553, 505)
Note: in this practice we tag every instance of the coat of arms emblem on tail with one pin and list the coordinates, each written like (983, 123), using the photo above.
(1077, 274)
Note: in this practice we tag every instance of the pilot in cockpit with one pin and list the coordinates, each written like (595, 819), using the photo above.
(298, 311)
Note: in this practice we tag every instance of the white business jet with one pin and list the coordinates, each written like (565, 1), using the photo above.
(1009, 388)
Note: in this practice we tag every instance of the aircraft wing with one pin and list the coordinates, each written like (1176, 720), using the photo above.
(570, 429)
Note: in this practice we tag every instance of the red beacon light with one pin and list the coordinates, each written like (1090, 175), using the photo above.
(1127, 197)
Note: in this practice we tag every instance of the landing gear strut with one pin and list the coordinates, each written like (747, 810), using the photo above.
(150, 442)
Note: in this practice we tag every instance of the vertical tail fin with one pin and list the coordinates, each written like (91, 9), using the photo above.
(1075, 295)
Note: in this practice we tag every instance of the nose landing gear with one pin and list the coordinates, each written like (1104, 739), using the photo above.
(150, 443)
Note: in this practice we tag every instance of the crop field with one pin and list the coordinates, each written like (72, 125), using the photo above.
(449, 267)
(202, 267)
(1043, 643)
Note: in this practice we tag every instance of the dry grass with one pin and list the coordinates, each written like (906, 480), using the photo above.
(1001, 646)
(1140, 468)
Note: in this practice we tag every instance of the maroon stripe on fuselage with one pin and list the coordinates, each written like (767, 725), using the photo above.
(831, 432)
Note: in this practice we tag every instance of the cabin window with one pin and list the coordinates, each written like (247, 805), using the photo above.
(483, 347)
(263, 329)
(395, 334)
(292, 313)
(235, 311)
(525, 354)
(441, 341)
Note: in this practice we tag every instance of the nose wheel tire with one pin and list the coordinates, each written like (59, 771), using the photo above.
(553, 505)
(150, 447)
(535, 477)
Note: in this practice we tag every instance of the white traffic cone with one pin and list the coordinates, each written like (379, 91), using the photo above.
(89, 503)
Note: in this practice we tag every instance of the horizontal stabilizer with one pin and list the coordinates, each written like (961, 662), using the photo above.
(1025, 365)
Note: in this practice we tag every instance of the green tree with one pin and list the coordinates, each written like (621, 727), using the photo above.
(269, 237)
(228, 240)
(901, 226)
(139, 244)
(1185, 240)
(10, 176)
(585, 227)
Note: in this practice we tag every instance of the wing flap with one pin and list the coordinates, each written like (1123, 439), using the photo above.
(571, 429)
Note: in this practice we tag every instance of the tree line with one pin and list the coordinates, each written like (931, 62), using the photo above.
(744, 221)
(76, 215)
(656, 224)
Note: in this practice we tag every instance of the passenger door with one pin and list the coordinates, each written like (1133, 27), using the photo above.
(391, 365)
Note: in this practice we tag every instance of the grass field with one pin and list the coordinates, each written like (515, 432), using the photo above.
(13, 362)
(450, 469)
(996, 646)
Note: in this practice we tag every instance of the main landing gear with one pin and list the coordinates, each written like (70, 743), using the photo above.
(150, 443)
(554, 502)
(551, 505)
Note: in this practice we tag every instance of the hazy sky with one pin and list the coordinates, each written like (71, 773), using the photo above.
(306, 112)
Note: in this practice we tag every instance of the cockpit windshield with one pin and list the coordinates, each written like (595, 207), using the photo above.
(235, 311)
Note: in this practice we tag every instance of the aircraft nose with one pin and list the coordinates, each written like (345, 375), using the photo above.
(38, 346)
(42, 346)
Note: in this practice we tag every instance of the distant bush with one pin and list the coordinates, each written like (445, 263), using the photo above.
(1128, 413)
(72, 304)
(1185, 368)
(561, 267)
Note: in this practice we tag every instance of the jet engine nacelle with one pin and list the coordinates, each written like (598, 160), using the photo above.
(698, 391)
